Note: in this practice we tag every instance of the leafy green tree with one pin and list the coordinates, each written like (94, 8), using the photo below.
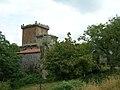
(9, 65)
(105, 39)
(86, 61)
(113, 28)
(65, 60)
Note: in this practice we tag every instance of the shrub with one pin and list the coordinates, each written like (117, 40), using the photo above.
(63, 86)
(77, 84)
(69, 85)
(27, 79)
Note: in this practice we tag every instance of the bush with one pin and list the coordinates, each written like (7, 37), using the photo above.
(5, 86)
(69, 85)
(63, 86)
(27, 79)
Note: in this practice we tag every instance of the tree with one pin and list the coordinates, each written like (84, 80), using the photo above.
(66, 61)
(9, 65)
(105, 39)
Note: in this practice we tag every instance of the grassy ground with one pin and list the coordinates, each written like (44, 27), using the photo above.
(113, 83)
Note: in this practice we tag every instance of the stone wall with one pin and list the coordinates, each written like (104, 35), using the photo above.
(29, 36)
(46, 39)
(29, 61)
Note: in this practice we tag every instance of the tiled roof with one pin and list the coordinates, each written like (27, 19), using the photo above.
(29, 51)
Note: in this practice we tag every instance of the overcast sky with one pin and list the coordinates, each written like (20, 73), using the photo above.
(62, 16)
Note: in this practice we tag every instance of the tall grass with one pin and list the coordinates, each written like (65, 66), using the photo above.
(112, 83)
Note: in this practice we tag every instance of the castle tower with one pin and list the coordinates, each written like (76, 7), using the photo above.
(31, 32)
(34, 38)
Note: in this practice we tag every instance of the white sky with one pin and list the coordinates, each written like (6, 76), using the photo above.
(62, 16)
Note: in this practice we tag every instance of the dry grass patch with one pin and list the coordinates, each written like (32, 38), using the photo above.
(113, 83)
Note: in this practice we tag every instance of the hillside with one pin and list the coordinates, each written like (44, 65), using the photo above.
(113, 83)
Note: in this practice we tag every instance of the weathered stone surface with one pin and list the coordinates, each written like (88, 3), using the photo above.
(29, 61)
(31, 31)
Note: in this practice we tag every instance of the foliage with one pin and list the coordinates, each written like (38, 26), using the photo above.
(9, 66)
(68, 58)
(26, 79)
(63, 86)
(100, 81)
(5, 85)
(69, 85)
(105, 39)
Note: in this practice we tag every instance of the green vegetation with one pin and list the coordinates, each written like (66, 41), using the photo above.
(110, 83)
(9, 66)
(11, 76)
(65, 60)
(26, 79)
(5, 86)
(92, 64)
(99, 48)
(105, 39)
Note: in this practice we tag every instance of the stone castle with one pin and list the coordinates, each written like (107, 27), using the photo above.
(34, 38)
